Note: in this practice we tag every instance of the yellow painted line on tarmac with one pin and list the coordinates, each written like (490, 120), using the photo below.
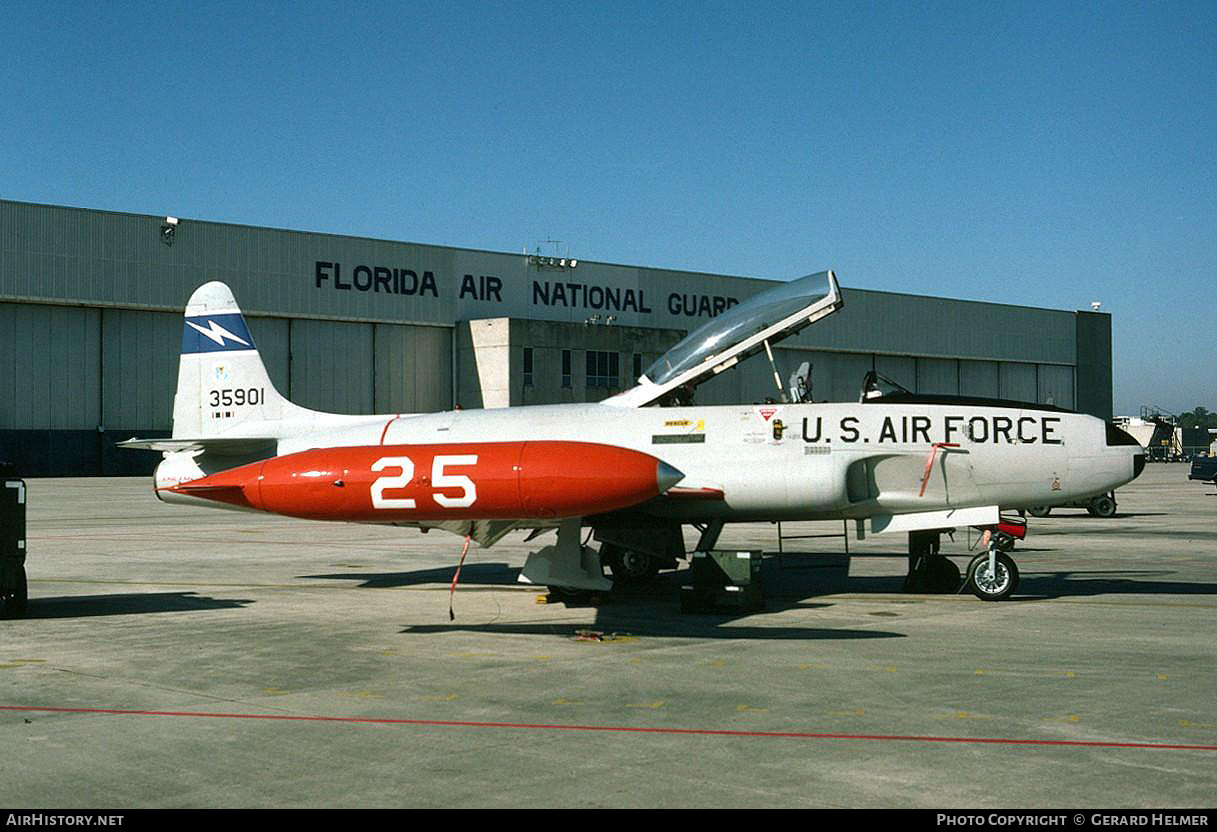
(851, 712)
(651, 705)
(566, 702)
(1187, 723)
(748, 709)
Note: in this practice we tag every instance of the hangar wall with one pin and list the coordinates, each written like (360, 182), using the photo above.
(90, 327)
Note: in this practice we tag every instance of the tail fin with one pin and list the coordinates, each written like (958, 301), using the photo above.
(222, 383)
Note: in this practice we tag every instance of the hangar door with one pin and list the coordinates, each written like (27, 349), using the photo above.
(345, 367)
(413, 371)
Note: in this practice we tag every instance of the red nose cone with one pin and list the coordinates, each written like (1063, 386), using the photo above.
(473, 481)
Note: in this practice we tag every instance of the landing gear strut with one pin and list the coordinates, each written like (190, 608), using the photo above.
(993, 575)
(928, 570)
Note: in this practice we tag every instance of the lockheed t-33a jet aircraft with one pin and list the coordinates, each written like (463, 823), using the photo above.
(638, 466)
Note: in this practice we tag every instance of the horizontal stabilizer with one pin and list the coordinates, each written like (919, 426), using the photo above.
(207, 489)
(242, 446)
(233, 495)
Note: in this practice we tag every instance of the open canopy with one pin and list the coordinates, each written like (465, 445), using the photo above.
(724, 341)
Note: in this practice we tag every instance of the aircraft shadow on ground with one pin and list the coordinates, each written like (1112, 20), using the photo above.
(1074, 584)
(790, 582)
(85, 606)
(610, 622)
(654, 611)
(805, 582)
(1088, 518)
(473, 574)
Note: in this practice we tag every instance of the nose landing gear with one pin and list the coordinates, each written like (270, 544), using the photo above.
(991, 576)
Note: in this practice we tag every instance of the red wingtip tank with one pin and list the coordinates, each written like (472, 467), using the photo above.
(403, 483)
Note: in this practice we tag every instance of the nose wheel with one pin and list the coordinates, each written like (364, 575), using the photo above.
(992, 575)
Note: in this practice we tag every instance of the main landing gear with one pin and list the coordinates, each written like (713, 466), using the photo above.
(628, 566)
(992, 575)
(928, 570)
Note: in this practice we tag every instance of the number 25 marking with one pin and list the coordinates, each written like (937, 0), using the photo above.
(439, 479)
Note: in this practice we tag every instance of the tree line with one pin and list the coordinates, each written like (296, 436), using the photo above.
(1198, 417)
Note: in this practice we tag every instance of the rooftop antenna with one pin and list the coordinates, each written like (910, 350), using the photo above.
(555, 261)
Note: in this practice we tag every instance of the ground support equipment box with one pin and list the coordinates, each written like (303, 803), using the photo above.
(723, 578)
(12, 548)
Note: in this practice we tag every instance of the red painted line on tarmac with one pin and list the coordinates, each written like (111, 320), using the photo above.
(622, 729)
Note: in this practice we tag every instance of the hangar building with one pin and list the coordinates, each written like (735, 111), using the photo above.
(91, 305)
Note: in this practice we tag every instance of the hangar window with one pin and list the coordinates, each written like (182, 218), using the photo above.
(603, 369)
(528, 366)
(637, 366)
(566, 368)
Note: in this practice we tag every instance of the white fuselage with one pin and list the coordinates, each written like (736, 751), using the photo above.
(806, 461)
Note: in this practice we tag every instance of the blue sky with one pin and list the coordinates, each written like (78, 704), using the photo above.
(1046, 154)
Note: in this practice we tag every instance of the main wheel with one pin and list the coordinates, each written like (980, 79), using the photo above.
(628, 565)
(1102, 506)
(943, 576)
(13, 602)
(1039, 511)
(996, 584)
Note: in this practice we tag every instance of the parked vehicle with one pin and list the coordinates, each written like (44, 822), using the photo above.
(1102, 505)
(1204, 468)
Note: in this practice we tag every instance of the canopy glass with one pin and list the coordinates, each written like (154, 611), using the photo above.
(754, 315)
